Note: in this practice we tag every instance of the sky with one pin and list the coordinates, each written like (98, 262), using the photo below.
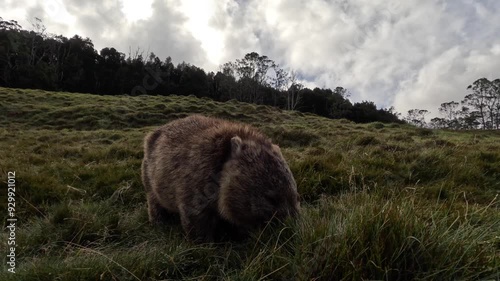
(406, 54)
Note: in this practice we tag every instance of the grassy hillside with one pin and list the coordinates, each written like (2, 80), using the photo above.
(379, 201)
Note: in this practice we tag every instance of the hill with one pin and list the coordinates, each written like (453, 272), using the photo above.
(379, 201)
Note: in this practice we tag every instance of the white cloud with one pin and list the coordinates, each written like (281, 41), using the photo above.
(411, 54)
(199, 24)
(135, 10)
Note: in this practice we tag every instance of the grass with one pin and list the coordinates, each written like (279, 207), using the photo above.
(379, 201)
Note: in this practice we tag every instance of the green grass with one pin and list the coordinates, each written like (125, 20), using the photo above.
(379, 201)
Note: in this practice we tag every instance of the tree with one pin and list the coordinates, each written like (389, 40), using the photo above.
(485, 98)
(251, 74)
(341, 106)
(293, 92)
(279, 82)
(468, 120)
(449, 111)
(495, 106)
(254, 67)
(80, 66)
(225, 84)
(9, 47)
(318, 101)
(193, 81)
(110, 63)
(438, 123)
(417, 117)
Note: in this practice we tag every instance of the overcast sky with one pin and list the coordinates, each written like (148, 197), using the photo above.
(409, 54)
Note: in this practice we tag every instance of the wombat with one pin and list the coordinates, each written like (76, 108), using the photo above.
(219, 176)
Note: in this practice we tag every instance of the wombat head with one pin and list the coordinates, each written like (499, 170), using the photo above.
(256, 184)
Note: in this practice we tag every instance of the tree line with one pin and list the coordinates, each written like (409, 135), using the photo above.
(480, 109)
(39, 60)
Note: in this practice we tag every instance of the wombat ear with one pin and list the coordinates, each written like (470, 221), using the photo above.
(236, 144)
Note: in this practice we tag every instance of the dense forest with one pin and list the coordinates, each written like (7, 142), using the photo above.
(37, 59)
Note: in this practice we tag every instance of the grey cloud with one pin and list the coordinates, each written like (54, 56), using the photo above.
(163, 33)
(385, 52)
(106, 25)
(411, 54)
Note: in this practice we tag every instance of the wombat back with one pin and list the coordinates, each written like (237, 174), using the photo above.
(214, 172)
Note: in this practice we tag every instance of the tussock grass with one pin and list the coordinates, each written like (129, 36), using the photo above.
(366, 236)
(379, 201)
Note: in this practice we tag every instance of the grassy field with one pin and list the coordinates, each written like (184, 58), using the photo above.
(379, 201)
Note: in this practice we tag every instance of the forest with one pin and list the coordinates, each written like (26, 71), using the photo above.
(36, 59)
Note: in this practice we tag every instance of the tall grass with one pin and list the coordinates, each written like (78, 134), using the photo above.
(379, 201)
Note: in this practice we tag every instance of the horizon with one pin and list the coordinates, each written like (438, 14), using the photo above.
(407, 55)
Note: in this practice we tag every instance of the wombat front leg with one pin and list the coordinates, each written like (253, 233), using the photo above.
(157, 214)
(199, 227)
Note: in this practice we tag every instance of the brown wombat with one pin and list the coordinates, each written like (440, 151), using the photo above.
(218, 175)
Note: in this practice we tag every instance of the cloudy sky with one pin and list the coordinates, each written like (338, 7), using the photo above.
(407, 54)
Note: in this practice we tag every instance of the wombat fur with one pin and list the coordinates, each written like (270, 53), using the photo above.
(217, 175)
